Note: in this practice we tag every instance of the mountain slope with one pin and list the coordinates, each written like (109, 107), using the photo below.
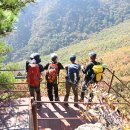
(112, 46)
(59, 23)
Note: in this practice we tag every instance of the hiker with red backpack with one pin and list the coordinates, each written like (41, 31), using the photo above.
(34, 69)
(52, 73)
(72, 80)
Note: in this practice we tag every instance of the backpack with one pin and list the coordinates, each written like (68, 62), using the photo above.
(73, 73)
(33, 75)
(52, 72)
(98, 71)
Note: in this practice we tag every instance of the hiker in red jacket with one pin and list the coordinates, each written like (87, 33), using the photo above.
(34, 69)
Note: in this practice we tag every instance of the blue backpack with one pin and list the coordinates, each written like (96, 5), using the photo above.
(73, 73)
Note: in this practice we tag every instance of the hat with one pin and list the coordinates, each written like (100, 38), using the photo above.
(92, 54)
(36, 56)
(33, 55)
(53, 55)
(73, 57)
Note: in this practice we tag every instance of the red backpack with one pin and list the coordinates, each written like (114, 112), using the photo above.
(52, 73)
(33, 75)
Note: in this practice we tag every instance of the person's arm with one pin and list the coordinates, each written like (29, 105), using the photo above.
(41, 68)
(79, 67)
(60, 66)
(85, 70)
(77, 77)
(27, 63)
(46, 67)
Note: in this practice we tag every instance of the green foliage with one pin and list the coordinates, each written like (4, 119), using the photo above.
(4, 49)
(8, 11)
(105, 43)
(60, 23)
(6, 77)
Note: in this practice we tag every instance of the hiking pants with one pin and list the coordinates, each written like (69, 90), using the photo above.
(38, 92)
(83, 89)
(75, 91)
(50, 91)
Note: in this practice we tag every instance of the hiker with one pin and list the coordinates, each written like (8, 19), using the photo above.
(72, 80)
(93, 73)
(34, 70)
(52, 74)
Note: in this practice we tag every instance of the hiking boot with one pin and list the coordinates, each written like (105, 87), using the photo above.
(57, 99)
(81, 100)
(76, 105)
(66, 104)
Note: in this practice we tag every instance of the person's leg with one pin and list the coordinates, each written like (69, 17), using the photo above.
(31, 90)
(75, 91)
(38, 92)
(83, 89)
(56, 92)
(49, 90)
(68, 87)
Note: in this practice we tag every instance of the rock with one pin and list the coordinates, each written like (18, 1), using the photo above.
(96, 126)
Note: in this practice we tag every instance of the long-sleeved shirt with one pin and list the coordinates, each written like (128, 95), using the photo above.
(88, 71)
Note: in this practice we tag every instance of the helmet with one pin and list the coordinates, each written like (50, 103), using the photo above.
(35, 56)
(54, 56)
(73, 57)
(92, 54)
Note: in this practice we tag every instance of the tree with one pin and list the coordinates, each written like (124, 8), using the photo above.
(8, 12)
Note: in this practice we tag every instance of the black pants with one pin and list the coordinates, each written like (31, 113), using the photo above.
(50, 91)
(85, 85)
(38, 92)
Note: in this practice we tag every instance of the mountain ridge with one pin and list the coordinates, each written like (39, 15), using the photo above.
(63, 22)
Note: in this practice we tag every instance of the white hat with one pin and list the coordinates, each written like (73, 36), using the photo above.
(53, 55)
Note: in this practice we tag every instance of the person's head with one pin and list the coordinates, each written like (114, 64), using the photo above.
(54, 57)
(33, 61)
(92, 56)
(36, 56)
(73, 58)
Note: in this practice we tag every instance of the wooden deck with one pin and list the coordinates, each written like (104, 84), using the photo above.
(17, 118)
(59, 111)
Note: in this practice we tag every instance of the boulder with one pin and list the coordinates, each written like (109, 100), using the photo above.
(96, 126)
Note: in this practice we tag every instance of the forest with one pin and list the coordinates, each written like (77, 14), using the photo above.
(46, 26)
(66, 27)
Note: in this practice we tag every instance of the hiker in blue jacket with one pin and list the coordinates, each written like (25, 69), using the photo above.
(72, 80)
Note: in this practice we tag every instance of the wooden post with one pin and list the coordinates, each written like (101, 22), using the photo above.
(111, 81)
(31, 126)
(34, 114)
